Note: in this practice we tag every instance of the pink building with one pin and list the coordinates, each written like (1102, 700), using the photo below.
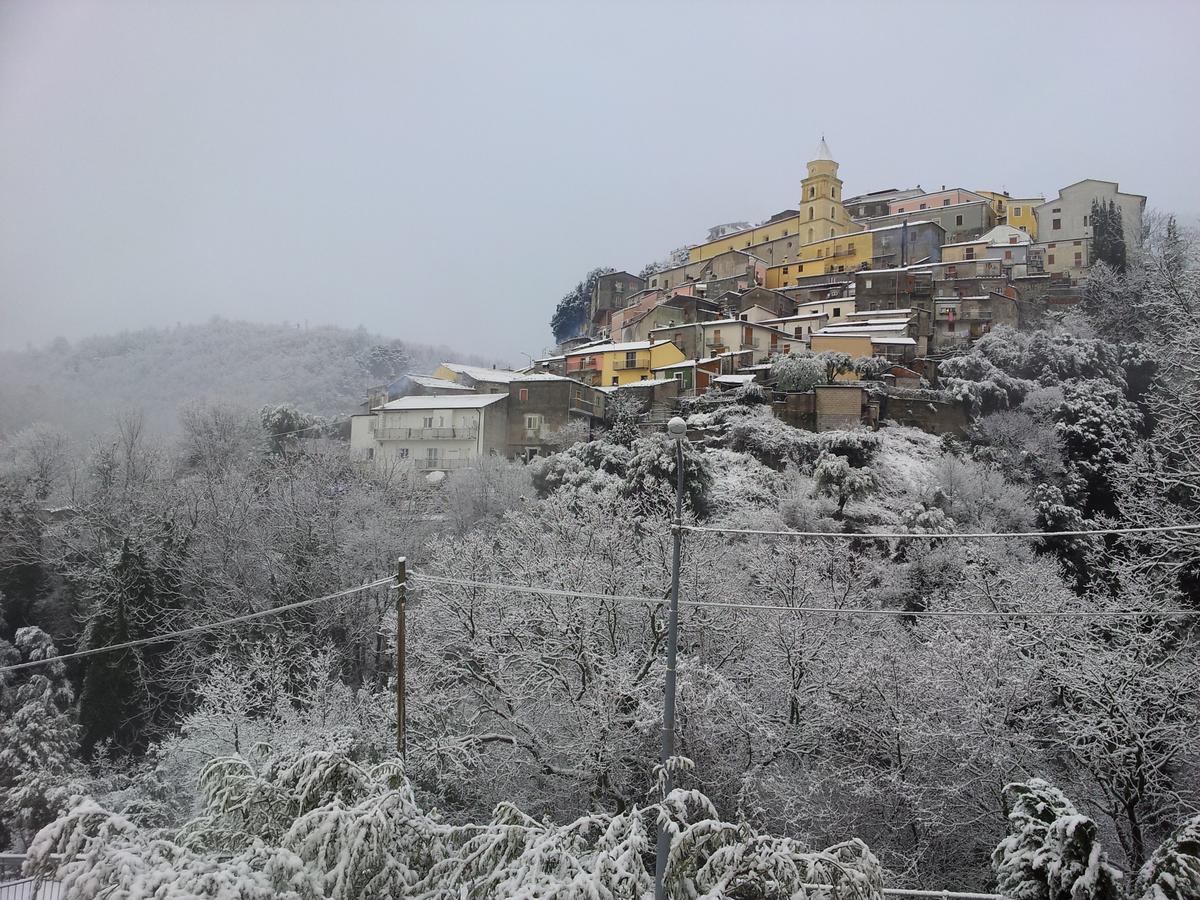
(949, 197)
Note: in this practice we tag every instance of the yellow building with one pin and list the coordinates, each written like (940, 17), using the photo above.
(616, 364)
(1015, 211)
(838, 254)
(821, 215)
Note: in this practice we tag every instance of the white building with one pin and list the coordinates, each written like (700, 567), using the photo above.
(432, 433)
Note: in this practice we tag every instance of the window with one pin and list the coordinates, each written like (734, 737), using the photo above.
(922, 206)
(631, 359)
(1052, 246)
(787, 348)
(901, 209)
(800, 268)
(946, 202)
(785, 269)
(969, 253)
(533, 421)
(1079, 243)
(619, 287)
(810, 233)
(1013, 239)
(614, 380)
(796, 331)
(645, 377)
(951, 325)
(743, 317)
(958, 220)
(1016, 210)
(1078, 259)
(867, 283)
(1008, 254)
(402, 453)
(1050, 259)
(524, 393)
(812, 192)
(427, 422)
(1085, 221)
(370, 453)
(1057, 209)
(837, 311)
(716, 336)
(766, 237)
(850, 248)
(785, 234)
(832, 214)
(1056, 224)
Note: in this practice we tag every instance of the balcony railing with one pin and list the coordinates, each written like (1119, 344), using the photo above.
(639, 362)
(427, 434)
(750, 345)
(439, 463)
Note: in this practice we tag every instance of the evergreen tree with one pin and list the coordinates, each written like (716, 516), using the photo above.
(1108, 235)
(1051, 851)
(572, 310)
(124, 692)
(1173, 871)
(38, 740)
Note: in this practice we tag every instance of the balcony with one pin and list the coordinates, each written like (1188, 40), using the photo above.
(427, 434)
(639, 361)
(439, 464)
(751, 345)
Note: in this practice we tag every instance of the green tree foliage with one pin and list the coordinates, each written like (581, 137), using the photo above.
(572, 310)
(1108, 235)
(125, 694)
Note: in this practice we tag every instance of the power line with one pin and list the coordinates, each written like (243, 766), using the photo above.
(196, 629)
(815, 610)
(959, 535)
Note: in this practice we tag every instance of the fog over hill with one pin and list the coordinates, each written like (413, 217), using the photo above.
(82, 387)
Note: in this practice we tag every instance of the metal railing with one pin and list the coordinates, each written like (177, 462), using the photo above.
(426, 434)
(15, 886)
(638, 362)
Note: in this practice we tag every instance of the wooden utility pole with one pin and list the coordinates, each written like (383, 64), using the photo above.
(401, 600)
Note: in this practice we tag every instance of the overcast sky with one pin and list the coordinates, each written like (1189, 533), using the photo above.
(444, 172)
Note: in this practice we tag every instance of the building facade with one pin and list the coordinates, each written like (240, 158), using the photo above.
(1067, 217)
(432, 434)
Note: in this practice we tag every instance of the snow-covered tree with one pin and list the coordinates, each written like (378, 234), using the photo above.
(798, 373)
(1173, 871)
(1051, 852)
(39, 742)
(836, 478)
(572, 310)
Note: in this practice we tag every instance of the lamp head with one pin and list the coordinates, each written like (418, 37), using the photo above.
(677, 428)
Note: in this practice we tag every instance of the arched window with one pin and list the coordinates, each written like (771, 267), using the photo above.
(811, 213)
(810, 235)
(832, 213)
(832, 232)
(812, 191)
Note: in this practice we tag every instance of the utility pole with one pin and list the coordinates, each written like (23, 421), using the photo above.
(401, 629)
(677, 429)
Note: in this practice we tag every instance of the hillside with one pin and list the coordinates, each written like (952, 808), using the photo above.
(81, 387)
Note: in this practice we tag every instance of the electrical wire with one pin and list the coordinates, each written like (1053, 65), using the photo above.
(196, 629)
(954, 535)
(814, 610)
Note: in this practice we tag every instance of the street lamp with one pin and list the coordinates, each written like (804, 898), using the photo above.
(677, 429)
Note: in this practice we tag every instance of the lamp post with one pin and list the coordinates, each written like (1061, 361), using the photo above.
(677, 429)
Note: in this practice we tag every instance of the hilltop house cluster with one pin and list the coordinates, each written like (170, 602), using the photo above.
(904, 275)
(908, 275)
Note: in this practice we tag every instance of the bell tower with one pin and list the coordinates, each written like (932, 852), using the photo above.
(822, 215)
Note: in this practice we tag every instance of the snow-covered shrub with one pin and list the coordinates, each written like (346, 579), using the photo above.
(1173, 870)
(739, 483)
(870, 368)
(320, 825)
(858, 446)
(1051, 852)
(771, 441)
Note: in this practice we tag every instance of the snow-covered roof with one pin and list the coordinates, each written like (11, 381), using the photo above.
(479, 373)
(734, 379)
(802, 316)
(542, 376)
(887, 313)
(893, 341)
(978, 240)
(440, 384)
(864, 329)
(822, 151)
(647, 382)
(464, 401)
(618, 348)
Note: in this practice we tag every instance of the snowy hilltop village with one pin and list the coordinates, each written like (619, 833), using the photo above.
(842, 309)
(852, 555)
